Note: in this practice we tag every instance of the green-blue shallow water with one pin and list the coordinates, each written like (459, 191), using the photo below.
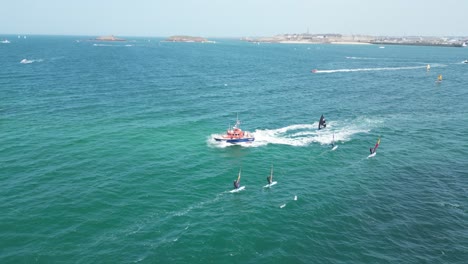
(107, 153)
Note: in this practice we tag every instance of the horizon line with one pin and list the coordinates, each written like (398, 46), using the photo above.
(244, 36)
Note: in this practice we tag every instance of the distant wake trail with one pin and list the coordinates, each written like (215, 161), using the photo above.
(370, 69)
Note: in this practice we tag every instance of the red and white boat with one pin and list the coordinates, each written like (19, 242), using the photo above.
(235, 135)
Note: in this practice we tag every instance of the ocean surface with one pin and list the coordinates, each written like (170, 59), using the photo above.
(107, 152)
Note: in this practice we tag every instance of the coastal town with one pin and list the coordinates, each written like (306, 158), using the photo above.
(306, 38)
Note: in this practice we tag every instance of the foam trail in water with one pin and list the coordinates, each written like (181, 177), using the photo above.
(300, 135)
(26, 61)
(112, 45)
(360, 58)
(370, 69)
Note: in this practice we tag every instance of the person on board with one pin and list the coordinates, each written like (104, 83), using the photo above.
(269, 179)
(237, 184)
(371, 151)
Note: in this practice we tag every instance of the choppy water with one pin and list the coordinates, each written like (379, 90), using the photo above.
(107, 153)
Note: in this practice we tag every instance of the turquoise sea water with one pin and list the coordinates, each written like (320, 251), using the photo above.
(107, 153)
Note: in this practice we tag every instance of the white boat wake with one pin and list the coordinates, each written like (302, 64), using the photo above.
(370, 69)
(26, 61)
(360, 58)
(301, 135)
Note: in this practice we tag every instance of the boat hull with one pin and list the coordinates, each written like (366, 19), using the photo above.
(235, 140)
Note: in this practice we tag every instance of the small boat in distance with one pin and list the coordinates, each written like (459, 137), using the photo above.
(5, 41)
(235, 135)
(465, 61)
(25, 61)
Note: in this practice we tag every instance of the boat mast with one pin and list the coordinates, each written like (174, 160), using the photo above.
(271, 173)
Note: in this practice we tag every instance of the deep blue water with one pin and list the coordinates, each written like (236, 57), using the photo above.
(107, 152)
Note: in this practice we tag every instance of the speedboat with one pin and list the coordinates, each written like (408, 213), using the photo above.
(465, 61)
(6, 41)
(235, 135)
(25, 61)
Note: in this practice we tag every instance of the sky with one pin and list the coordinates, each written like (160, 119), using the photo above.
(234, 18)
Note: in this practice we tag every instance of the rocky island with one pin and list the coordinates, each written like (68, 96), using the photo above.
(188, 39)
(109, 38)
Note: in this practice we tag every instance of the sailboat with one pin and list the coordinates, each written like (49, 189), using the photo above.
(272, 182)
(373, 150)
(333, 143)
(240, 188)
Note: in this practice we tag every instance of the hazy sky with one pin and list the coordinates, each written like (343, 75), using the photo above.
(233, 18)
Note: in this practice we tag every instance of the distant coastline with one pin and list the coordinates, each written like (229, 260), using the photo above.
(307, 38)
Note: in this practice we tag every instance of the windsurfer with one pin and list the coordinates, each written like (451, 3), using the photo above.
(236, 184)
(372, 150)
(322, 122)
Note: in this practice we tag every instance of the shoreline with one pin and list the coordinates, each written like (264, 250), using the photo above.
(350, 43)
(339, 39)
(316, 43)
